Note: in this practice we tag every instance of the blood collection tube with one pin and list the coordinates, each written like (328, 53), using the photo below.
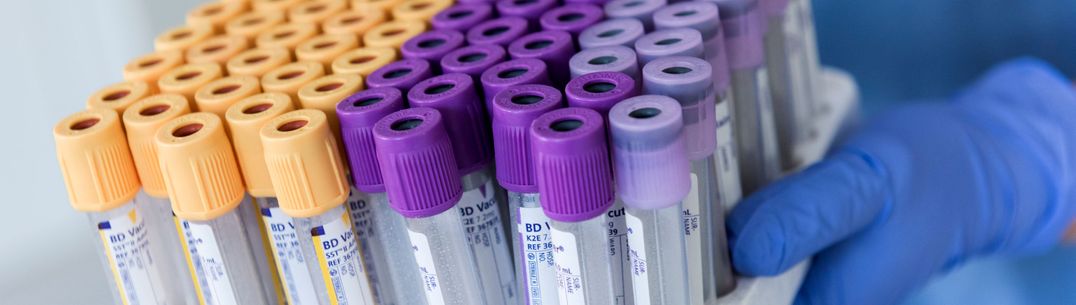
(642, 10)
(250, 24)
(219, 242)
(473, 60)
(790, 79)
(401, 74)
(315, 11)
(290, 78)
(215, 14)
(148, 68)
(353, 22)
(257, 62)
(501, 31)
(383, 236)
(555, 48)
(325, 48)
(573, 18)
(286, 35)
(120, 95)
(432, 46)
(512, 73)
(611, 58)
(382, 5)
(753, 123)
(363, 61)
(324, 93)
(672, 42)
(531, 10)
(575, 183)
(513, 110)
(217, 96)
(217, 50)
(187, 79)
(653, 179)
(309, 178)
(465, 119)
(462, 16)
(687, 80)
(392, 34)
(612, 32)
(422, 183)
(181, 37)
(131, 243)
(419, 10)
(599, 91)
(273, 5)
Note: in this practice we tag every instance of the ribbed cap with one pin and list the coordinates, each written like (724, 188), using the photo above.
(704, 17)
(250, 24)
(611, 58)
(393, 34)
(304, 163)
(612, 32)
(215, 14)
(571, 164)
(217, 49)
(652, 169)
(416, 158)
(672, 42)
(743, 25)
(257, 62)
(464, 116)
(687, 79)
(218, 95)
(142, 121)
(433, 45)
(642, 10)
(419, 10)
(325, 48)
(358, 114)
(527, 9)
(501, 31)
(355, 21)
(555, 48)
(512, 73)
(573, 18)
(286, 35)
(401, 74)
(363, 61)
(148, 68)
(119, 96)
(291, 77)
(472, 60)
(245, 120)
(315, 11)
(462, 16)
(187, 79)
(324, 93)
(199, 168)
(97, 166)
(513, 111)
(181, 37)
(600, 91)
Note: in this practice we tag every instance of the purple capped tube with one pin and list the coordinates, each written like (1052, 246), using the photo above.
(642, 10)
(572, 18)
(555, 48)
(703, 17)
(512, 73)
(612, 32)
(606, 59)
(462, 16)
(665, 43)
(531, 10)
(501, 31)
(401, 74)
(432, 46)
(599, 91)
(472, 60)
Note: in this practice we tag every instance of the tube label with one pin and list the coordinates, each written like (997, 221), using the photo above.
(341, 266)
(539, 271)
(693, 238)
(618, 251)
(481, 216)
(570, 284)
(431, 284)
(728, 168)
(640, 277)
(362, 217)
(206, 262)
(290, 263)
(126, 243)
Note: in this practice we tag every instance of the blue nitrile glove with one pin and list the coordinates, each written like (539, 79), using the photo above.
(921, 190)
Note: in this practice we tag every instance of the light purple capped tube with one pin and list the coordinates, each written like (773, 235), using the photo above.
(510, 74)
(432, 46)
(462, 16)
(555, 48)
(571, 164)
(472, 60)
(649, 152)
(401, 74)
(416, 159)
(744, 30)
(501, 31)
(687, 80)
(704, 17)
(612, 32)
(599, 91)
(513, 111)
(527, 9)
(612, 59)
(642, 10)
(358, 114)
(665, 43)
(454, 96)
(572, 18)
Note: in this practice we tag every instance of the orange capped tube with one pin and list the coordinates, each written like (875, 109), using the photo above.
(419, 10)
(324, 93)
(148, 68)
(326, 47)
(187, 79)
(200, 171)
(250, 24)
(245, 120)
(217, 49)
(304, 163)
(274, 5)
(257, 62)
(97, 166)
(393, 34)
(286, 35)
(291, 77)
(215, 14)
(142, 120)
(182, 37)
(315, 11)
(119, 96)
(381, 5)
(363, 61)
(354, 22)
(217, 96)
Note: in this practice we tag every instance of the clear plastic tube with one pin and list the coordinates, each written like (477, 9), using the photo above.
(537, 274)
(254, 225)
(331, 249)
(715, 277)
(382, 234)
(755, 136)
(590, 268)
(446, 264)
(656, 246)
(480, 210)
(221, 259)
(790, 81)
(290, 263)
(158, 215)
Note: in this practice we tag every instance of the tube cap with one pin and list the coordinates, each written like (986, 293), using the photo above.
(642, 10)
(687, 80)
(250, 24)
(672, 42)
(274, 5)
(245, 120)
(704, 17)
(325, 48)
(119, 96)
(513, 111)
(501, 31)
(527, 9)
(416, 158)
(304, 163)
(652, 169)
(462, 16)
(181, 37)
(316, 11)
(142, 120)
(149, 68)
(432, 45)
(555, 48)
(611, 58)
(324, 93)
(215, 14)
(512, 73)
(353, 22)
(401, 74)
(600, 90)
(358, 114)
(257, 62)
(287, 35)
(363, 61)
(464, 116)
(187, 79)
(742, 22)
(393, 34)
(572, 18)
(381, 5)
(97, 166)
(419, 10)
(472, 60)
(571, 164)
(612, 32)
(200, 170)
(291, 77)
(217, 96)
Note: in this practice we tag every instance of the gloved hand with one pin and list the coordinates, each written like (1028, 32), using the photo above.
(922, 189)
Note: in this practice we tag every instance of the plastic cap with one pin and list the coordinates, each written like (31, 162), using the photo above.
(181, 37)
(432, 45)
(513, 111)
(149, 68)
(528, 9)
(358, 114)
(393, 34)
(501, 31)
(287, 35)
(555, 48)
(571, 164)
(217, 96)
(671, 42)
(462, 16)
(325, 48)
(612, 59)
(363, 61)
(464, 116)
(401, 74)
(274, 5)
(199, 168)
(215, 14)
(96, 164)
(250, 24)
(416, 159)
(687, 80)
(642, 10)
(652, 169)
(699, 15)
(142, 120)
(119, 96)
(743, 25)
(382, 5)
(291, 77)
(354, 22)
(315, 11)
(257, 62)
(472, 60)
(304, 163)
(572, 18)
(324, 93)
(512, 73)
(217, 49)
(419, 10)
(187, 79)
(245, 120)
(600, 90)
(613, 32)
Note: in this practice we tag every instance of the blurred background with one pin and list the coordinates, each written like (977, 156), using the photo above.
(56, 53)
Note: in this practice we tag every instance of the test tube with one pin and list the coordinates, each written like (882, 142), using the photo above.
(527, 9)
(286, 35)
(257, 62)
(250, 24)
(187, 79)
(574, 177)
(473, 60)
(385, 234)
(653, 178)
(572, 18)
(120, 95)
(383, 5)
(753, 123)
(325, 48)
(462, 16)
(422, 183)
(217, 244)
(513, 111)
(555, 48)
(501, 31)
(148, 68)
(642, 10)
(465, 119)
(510, 74)
(790, 79)
(273, 5)
(290, 78)
(687, 79)
(216, 96)
(353, 22)
(392, 34)
(599, 91)
(401, 74)
(611, 59)
(612, 32)
(432, 46)
(215, 14)
(419, 10)
(324, 93)
(672, 42)
(363, 61)
(703, 17)
(309, 178)
(315, 11)
(217, 49)
(181, 37)
(130, 246)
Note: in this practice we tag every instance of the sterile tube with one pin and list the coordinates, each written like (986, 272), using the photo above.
(138, 261)
(572, 18)
(501, 31)
(432, 46)
(531, 10)
(291, 77)
(286, 35)
(309, 178)
(325, 48)
(354, 21)
(315, 12)
(250, 24)
(653, 178)
(257, 62)
(671, 42)
(215, 14)
(148, 68)
(612, 32)
(473, 60)
(119, 96)
(790, 75)
(217, 49)
(363, 61)
(555, 48)
(181, 37)
(419, 10)
(187, 79)
(216, 96)
(574, 177)
(513, 111)
(462, 16)
(392, 33)
(422, 183)
(510, 74)
(401, 74)
(605, 59)
(642, 10)
(599, 91)
(687, 80)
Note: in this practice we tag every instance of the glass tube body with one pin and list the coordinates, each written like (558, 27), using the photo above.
(447, 266)
(382, 234)
(536, 272)
(657, 251)
(221, 259)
